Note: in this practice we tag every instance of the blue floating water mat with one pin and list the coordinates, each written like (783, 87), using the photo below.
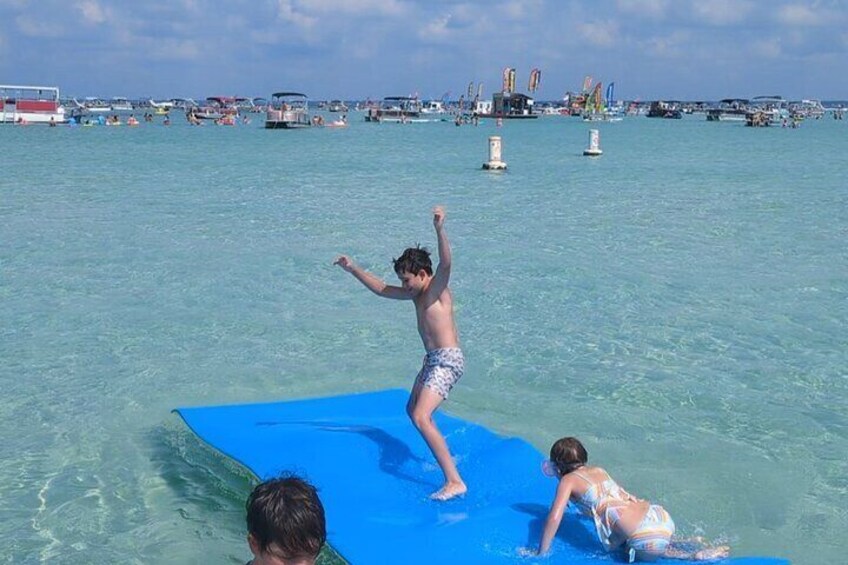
(374, 474)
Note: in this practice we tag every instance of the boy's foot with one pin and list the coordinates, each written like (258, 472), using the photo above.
(712, 553)
(450, 490)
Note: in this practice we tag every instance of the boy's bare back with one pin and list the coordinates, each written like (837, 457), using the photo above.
(434, 304)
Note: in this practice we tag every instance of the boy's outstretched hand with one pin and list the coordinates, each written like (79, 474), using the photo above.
(344, 262)
(439, 216)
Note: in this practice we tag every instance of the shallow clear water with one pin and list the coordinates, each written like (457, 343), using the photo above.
(680, 304)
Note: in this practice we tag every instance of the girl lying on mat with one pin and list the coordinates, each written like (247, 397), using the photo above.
(623, 522)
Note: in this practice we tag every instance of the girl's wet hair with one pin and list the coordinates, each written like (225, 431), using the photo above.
(568, 454)
(413, 260)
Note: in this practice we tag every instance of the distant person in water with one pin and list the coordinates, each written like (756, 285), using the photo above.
(444, 363)
(285, 522)
(643, 531)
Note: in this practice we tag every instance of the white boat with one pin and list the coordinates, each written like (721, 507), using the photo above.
(729, 110)
(605, 116)
(121, 104)
(94, 105)
(162, 107)
(436, 107)
(259, 105)
(395, 109)
(772, 109)
(184, 104)
(552, 110)
(30, 104)
(216, 108)
(288, 110)
(806, 109)
(336, 106)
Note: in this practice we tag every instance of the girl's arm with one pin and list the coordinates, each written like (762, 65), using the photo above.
(555, 515)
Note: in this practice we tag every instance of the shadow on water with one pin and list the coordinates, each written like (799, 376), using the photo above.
(571, 530)
(394, 453)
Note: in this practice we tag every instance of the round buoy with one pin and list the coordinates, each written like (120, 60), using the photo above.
(494, 163)
(594, 149)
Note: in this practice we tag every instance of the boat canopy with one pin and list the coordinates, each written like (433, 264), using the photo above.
(222, 100)
(284, 94)
(516, 96)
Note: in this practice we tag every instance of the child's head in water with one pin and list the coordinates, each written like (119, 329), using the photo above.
(567, 455)
(285, 522)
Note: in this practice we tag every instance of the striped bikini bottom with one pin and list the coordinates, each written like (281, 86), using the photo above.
(653, 533)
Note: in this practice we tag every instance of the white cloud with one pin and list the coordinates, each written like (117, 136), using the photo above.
(360, 7)
(599, 34)
(436, 29)
(91, 11)
(518, 10)
(667, 46)
(286, 12)
(160, 48)
(722, 12)
(175, 49)
(265, 37)
(769, 48)
(655, 9)
(802, 15)
(365, 49)
(36, 27)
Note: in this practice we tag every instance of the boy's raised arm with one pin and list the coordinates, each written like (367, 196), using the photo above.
(442, 275)
(371, 282)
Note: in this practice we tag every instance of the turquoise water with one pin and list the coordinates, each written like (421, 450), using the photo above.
(680, 304)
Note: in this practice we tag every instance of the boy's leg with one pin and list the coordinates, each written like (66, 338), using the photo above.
(420, 407)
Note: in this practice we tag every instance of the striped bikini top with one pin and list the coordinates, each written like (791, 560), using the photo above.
(603, 502)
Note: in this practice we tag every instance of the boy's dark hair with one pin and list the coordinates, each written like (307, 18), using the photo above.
(413, 260)
(568, 454)
(287, 512)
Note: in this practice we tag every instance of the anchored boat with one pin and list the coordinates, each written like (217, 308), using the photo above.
(30, 105)
(288, 110)
(395, 109)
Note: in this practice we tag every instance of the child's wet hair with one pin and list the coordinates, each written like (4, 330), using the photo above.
(413, 260)
(568, 454)
(286, 513)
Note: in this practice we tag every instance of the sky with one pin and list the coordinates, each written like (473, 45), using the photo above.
(357, 49)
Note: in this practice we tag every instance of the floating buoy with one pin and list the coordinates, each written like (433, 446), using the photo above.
(494, 163)
(594, 149)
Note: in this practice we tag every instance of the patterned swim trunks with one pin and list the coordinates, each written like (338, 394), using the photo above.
(442, 369)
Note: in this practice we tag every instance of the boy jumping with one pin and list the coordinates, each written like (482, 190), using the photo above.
(443, 363)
